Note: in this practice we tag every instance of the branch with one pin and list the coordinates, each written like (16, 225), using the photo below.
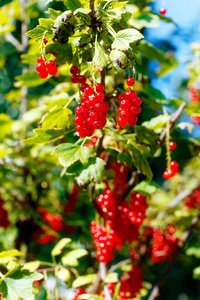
(120, 264)
(156, 290)
(11, 39)
(92, 9)
(173, 121)
(103, 274)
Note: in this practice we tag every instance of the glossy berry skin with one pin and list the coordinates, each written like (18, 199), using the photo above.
(174, 166)
(172, 145)
(74, 70)
(99, 87)
(41, 67)
(167, 174)
(50, 64)
(53, 71)
(82, 79)
(45, 41)
(41, 59)
(130, 95)
(162, 11)
(74, 79)
(89, 91)
(43, 74)
(130, 81)
(83, 86)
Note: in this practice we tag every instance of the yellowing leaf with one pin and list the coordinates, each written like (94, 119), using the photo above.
(44, 136)
(71, 258)
(82, 280)
(57, 117)
(57, 250)
(100, 58)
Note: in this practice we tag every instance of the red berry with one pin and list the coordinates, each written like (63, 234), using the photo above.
(172, 145)
(82, 79)
(136, 101)
(125, 104)
(174, 166)
(100, 96)
(97, 124)
(167, 174)
(135, 110)
(43, 74)
(41, 59)
(53, 71)
(50, 64)
(83, 86)
(74, 79)
(74, 70)
(99, 88)
(122, 121)
(45, 41)
(130, 81)
(89, 91)
(121, 97)
(130, 95)
(162, 11)
(41, 67)
(132, 120)
(124, 114)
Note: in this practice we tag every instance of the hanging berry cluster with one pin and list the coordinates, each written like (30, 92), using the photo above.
(46, 68)
(113, 208)
(92, 112)
(164, 244)
(195, 94)
(193, 200)
(129, 106)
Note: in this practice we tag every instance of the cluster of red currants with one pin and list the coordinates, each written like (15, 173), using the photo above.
(174, 166)
(53, 219)
(129, 106)
(195, 94)
(92, 112)
(164, 244)
(78, 293)
(46, 68)
(131, 283)
(111, 289)
(193, 200)
(113, 208)
(195, 119)
(43, 237)
(4, 222)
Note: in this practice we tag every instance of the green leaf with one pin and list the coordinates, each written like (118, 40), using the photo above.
(69, 153)
(83, 10)
(117, 56)
(124, 158)
(29, 79)
(18, 283)
(139, 160)
(73, 4)
(100, 58)
(44, 136)
(32, 266)
(152, 92)
(157, 122)
(44, 27)
(124, 37)
(10, 253)
(57, 117)
(71, 258)
(5, 125)
(63, 53)
(54, 13)
(196, 273)
(92, 172)
(83, 280)
(57, 250)
(147, 136)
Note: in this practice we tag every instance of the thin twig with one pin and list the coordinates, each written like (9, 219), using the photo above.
(156, 290)
(11, 39)
(120, 264)
(103, 274)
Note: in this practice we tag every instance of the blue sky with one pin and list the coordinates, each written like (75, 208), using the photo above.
(186, 15)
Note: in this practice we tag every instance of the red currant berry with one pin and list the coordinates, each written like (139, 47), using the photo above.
(99, 88)
(50, 64)
(84, 98)
(100, 96)
(174, 166)
(136, 101)
(135, 110)
(89, 91)
(130, 81)
(53, 71)
(130, 95)
(74, 79)
(41, 67)
(97, 124)
(45, 41)
(41, 59)
(121, 97)
(124, 114)
(43, 74)
(74, 70)
(172, 145)
(83, 86)
(99, 107)
(132, 120)
(122, 121)
(82, 79)
(105, 107)
(162, 11)
(167, 174)
(125, 104)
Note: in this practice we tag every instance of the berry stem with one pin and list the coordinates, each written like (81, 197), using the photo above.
(167, 141)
